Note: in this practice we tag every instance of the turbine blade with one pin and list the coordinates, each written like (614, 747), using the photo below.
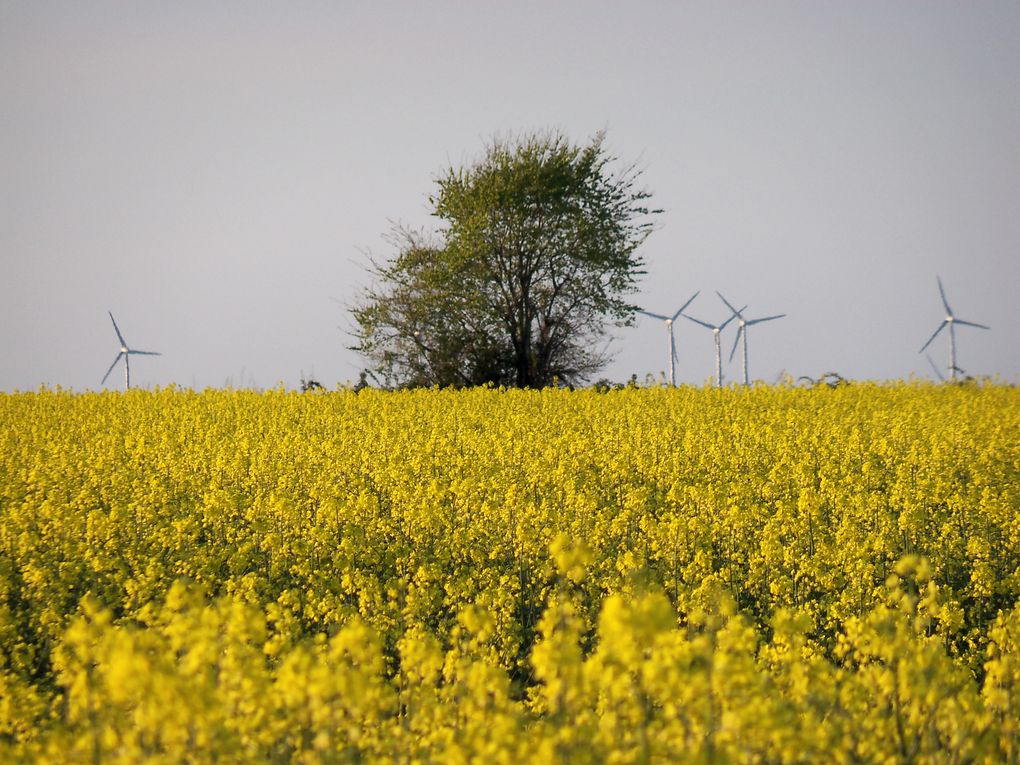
(654, 315)
(116, 329)
(111, 368)
(727, 302)
(935, 369)
(736, 340)
(766, 318)
(942, 326)
(942, 292)
(732, 317)
(681, 309)
(969, 323)
(702, 323)
(144, 353)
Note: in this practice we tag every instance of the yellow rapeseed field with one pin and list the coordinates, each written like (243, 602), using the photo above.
(646, 575)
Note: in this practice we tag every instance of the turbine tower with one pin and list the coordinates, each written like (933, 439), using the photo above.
(126, 353)
(669, 327)
(742, 330)
(716, 330)
(950, 321)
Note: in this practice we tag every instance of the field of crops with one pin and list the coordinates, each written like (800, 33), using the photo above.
(645, 575)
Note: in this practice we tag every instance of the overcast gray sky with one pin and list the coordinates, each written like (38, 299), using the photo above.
(215, 173)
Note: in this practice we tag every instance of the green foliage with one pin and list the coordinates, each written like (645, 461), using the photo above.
(535, 254)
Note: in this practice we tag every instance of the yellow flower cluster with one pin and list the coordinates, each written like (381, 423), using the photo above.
(656, 575)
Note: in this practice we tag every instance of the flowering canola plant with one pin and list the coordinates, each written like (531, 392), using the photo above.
(648, 575)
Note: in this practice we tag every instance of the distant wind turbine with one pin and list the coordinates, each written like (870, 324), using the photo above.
(716, 330)
(742, 329)
(950, 321)
(669, 327)
(126, 353)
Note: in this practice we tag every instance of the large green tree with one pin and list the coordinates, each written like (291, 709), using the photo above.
(534, 256)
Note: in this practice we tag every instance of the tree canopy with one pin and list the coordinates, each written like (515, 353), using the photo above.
(535, 254)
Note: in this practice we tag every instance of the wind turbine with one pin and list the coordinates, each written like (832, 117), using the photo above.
(669, 327)
(742, 329)
(126, 353)
(951, 321)
(716, 329)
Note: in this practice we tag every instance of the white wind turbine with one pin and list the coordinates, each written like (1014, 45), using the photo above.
(669, 327)
(716, 330)
(742, 330)
(951, 321)
(126, 353)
